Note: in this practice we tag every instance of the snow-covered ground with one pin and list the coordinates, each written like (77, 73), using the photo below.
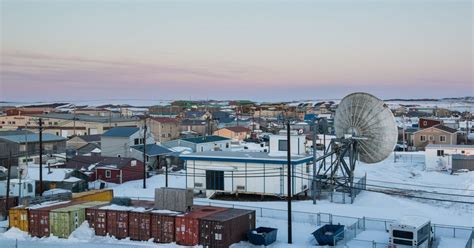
(405, 172)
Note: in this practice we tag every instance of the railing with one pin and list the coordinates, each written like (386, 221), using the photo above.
(354, 225)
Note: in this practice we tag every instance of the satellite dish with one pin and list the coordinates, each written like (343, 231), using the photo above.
(366, 118)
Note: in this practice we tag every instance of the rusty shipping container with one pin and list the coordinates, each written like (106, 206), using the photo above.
(97, 219)
(12, 202)
(139, 225)
(162, 226)
(38, 220)
(187, 225)
(117, 221)
(105, 195)
(223, 229)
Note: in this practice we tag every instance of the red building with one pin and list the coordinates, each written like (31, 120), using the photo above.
(428, 122)
(108, 169)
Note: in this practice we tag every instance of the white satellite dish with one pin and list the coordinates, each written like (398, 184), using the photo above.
(366, 118)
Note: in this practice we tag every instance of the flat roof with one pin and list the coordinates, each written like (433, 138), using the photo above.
(245, 157)
(434, 146)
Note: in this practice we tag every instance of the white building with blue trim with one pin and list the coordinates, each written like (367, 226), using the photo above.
(249, 172)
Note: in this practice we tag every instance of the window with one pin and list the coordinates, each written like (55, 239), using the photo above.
(202, 149)
(226, 145)
(422, 138)
(22, 148)
(442, 138)
(30, 188)
(425, 123)
(214, 180)
(431, 138)
(108, 174)
(133, 163)
(402, 234)
(163, 135)
(282, 146)
(136, 141)
(440, 153)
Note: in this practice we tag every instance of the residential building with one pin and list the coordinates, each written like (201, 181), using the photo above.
(438, 134)
(428, 122)
(66, 125)
(202, 127)
(59, 178)
(79, 141)
(237, 133)
(164, 128)
(448, 157)
(156, 155)
(24, 147)
(202, 143)
(278, 143)
(117, 142)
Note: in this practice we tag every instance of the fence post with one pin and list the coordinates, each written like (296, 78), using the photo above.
(363, 223)
(374, 245)
(318, 219)
(330, 219)
(261, 212)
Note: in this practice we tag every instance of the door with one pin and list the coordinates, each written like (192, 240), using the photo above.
(214, 180)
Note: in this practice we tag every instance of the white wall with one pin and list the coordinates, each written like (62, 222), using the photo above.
(297, 143)
(435, 162)
(223, 145)
(262, 185)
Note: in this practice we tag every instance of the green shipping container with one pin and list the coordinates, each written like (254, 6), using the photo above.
(63, 221)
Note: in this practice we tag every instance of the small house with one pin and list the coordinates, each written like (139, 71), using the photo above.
(237, 133)
(449, 157)
(201, 143)
(117, 142)
(438, 134)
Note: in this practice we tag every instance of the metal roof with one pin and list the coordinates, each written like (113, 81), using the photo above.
(153, 149)
(244, 157)
(205, 139)
(121, 132)
(449, 146)
(33, 137)
(83, 117)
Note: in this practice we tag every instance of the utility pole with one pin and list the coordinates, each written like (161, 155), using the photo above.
(315, 137)
(166, 173)
(74, 121)
(7, 205)
(288, 142)
(403, 133)
(144, 154)
(41, 156)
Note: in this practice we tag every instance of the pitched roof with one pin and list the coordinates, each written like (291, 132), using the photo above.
(85, 162)
(238, 129)
(445, 128)
(165, 119)
(121, 132)
(153, 149)
(205, 139)
(32, 137)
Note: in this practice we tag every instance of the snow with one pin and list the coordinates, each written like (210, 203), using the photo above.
(445, 242)
(55, 191)
(413, 221)
(56, 175)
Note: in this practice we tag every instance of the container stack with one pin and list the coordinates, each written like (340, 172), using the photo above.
(139, 220)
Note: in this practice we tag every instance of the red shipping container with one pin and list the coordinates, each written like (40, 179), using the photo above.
(38, 220)
(162, 226)
(117, 222)
(97, 219)
(223, 229)
(187, 225)
(139, 225)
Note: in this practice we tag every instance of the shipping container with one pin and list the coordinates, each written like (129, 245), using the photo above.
(38, 220)
(117, 220)
(94, 195)
(187, 225)
(18, 217)
(225, 228)
(63, 221)
(97, 219)
(162, 226)
(12, 202)
(139, 224)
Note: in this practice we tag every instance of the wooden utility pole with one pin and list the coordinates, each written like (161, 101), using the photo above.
(288, 143)
(144, 154)
(41, 156)
(7, 203)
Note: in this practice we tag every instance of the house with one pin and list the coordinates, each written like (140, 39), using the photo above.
(278, 143)
(118, 141)
(201, 143)
(119, 170)
(25, 147)
(438, 134)
(235, 133)
(202, 127)
(428, 122)
(108, 169)
(250, 172)
(156, 155)
(197, 115)
(164, 128)
(59, 178)
(79, 141)
(448, 157)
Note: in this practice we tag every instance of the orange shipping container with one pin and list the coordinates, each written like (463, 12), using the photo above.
(18, 217)
(105, 195)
